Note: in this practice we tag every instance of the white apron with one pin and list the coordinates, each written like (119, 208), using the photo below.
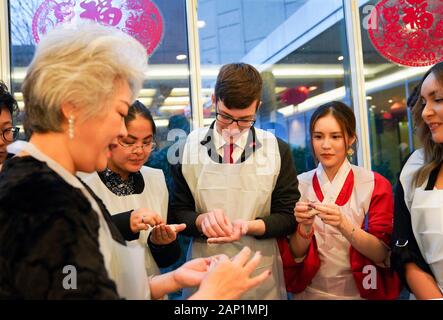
(334, 279)
(125, 264)
(426, 208)
(243, 191)
(427, 225)
(153, 197)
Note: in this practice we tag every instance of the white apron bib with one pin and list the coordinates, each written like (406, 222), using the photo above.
(334, 279)
(154, 197)
(243, 191)
(426, 208)
(127, 268)
(125, 264)
(427, 225)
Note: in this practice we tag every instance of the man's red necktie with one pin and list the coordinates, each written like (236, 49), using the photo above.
(228, 149)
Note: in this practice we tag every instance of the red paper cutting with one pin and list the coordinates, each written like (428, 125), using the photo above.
(408, 32)
(138, 18)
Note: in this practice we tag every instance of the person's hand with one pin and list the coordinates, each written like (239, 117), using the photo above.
(229, 279)
(240, 228)
(330, 214)
(142, 218)
(192, 272)
(214, 224)
(304, 214)
(164, 234)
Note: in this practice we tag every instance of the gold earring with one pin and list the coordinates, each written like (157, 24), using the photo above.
(350, 152)
(71, 127)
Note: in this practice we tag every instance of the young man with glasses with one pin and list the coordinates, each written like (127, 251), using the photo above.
(8, 133)
(235, 185)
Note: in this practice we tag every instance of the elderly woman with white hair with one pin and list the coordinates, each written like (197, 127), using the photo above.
(57, 240)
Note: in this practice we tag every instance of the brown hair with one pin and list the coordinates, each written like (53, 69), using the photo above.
(342, 113)
(433, 152)
(238, 85)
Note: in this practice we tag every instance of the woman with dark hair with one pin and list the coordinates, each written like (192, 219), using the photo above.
(417, 244)
(8, 133)
(340, 249)
(126, 185)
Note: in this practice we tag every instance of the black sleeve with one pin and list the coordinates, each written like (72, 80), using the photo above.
(123, 223)
(42, 272)
(182, 204)
(165, 255)
(281, 222)
(49, 246)
(404, 245)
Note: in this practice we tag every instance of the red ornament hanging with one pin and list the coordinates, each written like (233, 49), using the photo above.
(295, 95)
(408, 32)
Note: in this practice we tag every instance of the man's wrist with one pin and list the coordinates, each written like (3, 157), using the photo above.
(256, 227)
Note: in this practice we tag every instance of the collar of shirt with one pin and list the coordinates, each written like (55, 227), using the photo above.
(133, 185)
(207, 140)
(239, 145)
(337, 183)
(105, 237)
(34, 152)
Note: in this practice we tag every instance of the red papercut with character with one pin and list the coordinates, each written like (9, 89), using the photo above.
(408, 32)
(139, 18)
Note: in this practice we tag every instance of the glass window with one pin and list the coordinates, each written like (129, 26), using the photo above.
(166, 89)
(387, 88)
(289, 42)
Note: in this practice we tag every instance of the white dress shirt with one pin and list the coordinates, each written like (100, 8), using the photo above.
(239, 145)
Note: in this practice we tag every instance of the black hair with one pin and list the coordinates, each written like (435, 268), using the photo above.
(139, 109)
(7, 100)
(342, 113)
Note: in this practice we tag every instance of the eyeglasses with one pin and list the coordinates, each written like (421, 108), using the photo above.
(10, 134)
(242, 123)
(145, 146)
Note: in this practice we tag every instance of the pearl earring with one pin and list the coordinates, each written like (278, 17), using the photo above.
(71, 127)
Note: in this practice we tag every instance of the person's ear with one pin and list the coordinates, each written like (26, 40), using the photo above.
(213, 99)
(352, 141)
(70, 115)
(68, 110)
(259, 103)
(350, 144)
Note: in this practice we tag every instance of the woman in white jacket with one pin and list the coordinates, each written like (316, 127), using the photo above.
(344, 219)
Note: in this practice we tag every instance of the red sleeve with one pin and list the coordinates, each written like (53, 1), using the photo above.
(381, 210)
(298, 275)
